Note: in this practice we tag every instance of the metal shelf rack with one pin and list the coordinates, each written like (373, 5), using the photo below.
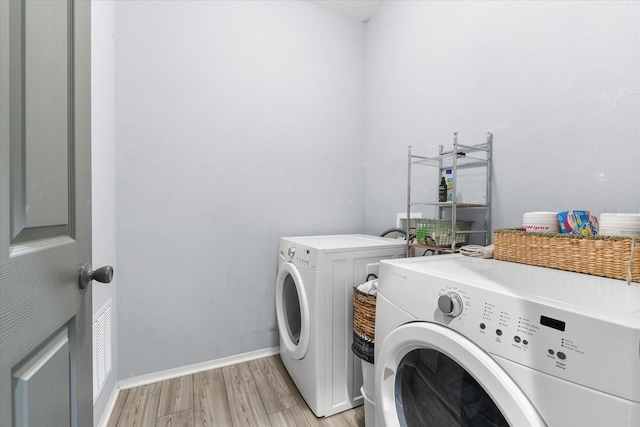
(459, 157)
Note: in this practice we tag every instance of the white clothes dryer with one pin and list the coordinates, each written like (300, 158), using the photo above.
(473, 342)
(314, 310)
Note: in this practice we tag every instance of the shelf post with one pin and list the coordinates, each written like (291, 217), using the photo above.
(487, 211)
(408, 225)
(454, 201)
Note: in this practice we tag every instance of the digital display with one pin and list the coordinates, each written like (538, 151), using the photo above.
(552, 323)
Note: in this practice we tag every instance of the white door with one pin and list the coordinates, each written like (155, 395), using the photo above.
(428, 375)
(45, 213)
(292, 311)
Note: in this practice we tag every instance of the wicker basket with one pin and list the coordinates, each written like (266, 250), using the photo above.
(607, 256)
(364, 321)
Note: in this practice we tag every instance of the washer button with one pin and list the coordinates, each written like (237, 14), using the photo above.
(482, 326)
(561, 355)
(516, 338)
(525, 342)
(498, 332)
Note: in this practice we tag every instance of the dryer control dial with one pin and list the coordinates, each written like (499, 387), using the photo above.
(291, 251)
(450, 304)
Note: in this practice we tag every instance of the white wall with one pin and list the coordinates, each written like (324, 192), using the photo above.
(558, 83)
(236, 123)
(103, 172)
(240, 122)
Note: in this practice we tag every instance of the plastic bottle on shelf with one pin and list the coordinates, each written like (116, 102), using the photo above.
(442, 190)
(449, 180)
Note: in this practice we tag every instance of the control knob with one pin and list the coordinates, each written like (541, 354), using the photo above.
(291, 251)
(450, 304)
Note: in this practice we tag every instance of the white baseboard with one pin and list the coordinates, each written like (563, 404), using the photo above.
(155, 377)
(111, 403)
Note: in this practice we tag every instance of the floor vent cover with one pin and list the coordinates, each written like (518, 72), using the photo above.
(101, 348)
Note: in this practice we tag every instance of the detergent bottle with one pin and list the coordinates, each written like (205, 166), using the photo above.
(442, 190)
(449, 180)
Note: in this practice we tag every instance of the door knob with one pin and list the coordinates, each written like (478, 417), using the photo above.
(86, 275)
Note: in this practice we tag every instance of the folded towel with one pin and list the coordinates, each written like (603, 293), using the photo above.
(370, 287)
(477, 251)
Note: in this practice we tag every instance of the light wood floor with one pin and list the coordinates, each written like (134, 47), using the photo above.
(252, 394)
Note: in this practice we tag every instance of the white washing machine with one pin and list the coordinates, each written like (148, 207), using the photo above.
(472, 342)
(314, 309)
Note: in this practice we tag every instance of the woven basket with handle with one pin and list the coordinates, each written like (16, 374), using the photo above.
(615, 257)
(364, 322)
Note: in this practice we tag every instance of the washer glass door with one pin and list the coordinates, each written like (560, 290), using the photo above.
(429, 375)
(291, 308)
(433, 390)
(292, 311)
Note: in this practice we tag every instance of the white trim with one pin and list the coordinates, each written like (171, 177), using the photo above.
(155, 377)
(111, 403)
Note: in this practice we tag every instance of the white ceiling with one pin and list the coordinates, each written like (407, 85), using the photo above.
(362, 10)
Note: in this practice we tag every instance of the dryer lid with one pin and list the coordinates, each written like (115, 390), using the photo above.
(346, 242)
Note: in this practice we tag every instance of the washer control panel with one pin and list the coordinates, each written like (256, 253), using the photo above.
(302, 257)
(560, 342)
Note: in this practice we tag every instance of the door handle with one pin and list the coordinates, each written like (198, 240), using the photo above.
(86, 275)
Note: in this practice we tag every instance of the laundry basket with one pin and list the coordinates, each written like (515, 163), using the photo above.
(437, 232)
(364, 318)
(364, 321)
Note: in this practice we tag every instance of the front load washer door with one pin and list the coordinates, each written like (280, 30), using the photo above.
(292, 311)
(430, 375)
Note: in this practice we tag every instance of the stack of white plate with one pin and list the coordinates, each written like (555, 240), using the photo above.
(620, 224)
(541, 222)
